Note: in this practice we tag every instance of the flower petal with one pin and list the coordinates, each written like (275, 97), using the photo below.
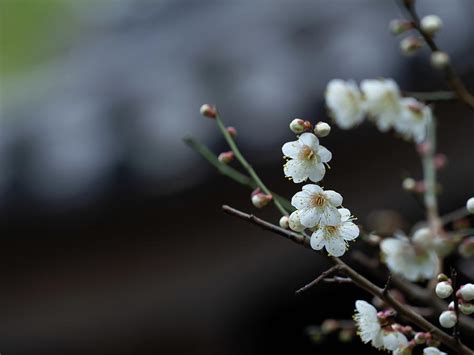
(316, 173)
(310, 140)
(345, 214)
(394, 340)
(298, 170)
(334, 197)
(335, 246)
(313, 188)
(330, 216)
(317, 240)
(309, 217)
(324, 154)
(291, 149)
(349, 231)
(301, 200)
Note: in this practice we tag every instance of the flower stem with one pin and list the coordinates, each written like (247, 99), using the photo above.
(245, 164)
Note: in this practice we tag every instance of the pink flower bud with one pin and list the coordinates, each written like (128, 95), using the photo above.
(297, 125)
(423, 148)
(410, 45)
(284, 222)
(259, 199)
(466, 292)
(440, 161)
(420, 338)
(397, 26)
(208, 111)
(226, 157)
(232, 131)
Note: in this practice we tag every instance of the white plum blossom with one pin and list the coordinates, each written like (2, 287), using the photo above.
(345, 102)
(307, 159)
(370, 329)
(414, 119)
(382, 98)
(409, 260)
(335, 237)
(317, 206)
(433, 351)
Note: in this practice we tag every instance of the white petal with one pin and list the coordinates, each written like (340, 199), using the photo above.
(335, 246)
(324, 154)
(316, 173)
(317, 240)
(349, 231)
(313, 188)
(301, 199)
(291, 149)
(345, 214)
(393, 340)
(309, 217)
(298, 170)
(334, 197)
(310, 140)
(330, 216)
(377, 341)
(366, 308)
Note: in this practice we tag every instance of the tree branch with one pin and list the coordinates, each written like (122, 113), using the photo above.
(360, 281)
(317, 280)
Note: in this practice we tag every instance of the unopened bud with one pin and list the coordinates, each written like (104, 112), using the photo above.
(420, 338)
(466, 292)
(451, 306)
(329, 325)
(470, 205)
(448, 319)
(226, 157)
(423, 149)
(284, 222)
(443, 289)
(297, 125)
(232, 131)
(295, 223)
(399, 26)
(420, 187)
(440, 161)
(439, 60)
(431, 24)
(345, 335)
(466, 248)
(433, 342)
(408, 184)
(466, 308)
(259, 199)
(423, 237)
(410, 45)
(208, 111)
(442, 277)
(322, 129)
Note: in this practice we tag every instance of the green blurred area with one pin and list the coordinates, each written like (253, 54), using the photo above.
(29, 32)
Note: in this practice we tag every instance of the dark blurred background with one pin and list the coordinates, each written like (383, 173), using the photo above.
(112, 237)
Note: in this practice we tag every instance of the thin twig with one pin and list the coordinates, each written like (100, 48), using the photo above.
(318, 279)
(360, 281)
(453, 79)
(431, 96)
(387, 284)
(338, 280)
(456, 333)
(454, 215)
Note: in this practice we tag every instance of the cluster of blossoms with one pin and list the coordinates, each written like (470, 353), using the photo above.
(317, 209)
(381, 101)
(379, 329)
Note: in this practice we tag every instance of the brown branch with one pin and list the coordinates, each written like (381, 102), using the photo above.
(453, 79)
(318, 279)
(338, 280)
(456, 304)
(360, 281)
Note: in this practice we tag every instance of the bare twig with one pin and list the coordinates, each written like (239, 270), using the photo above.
(431, 96)
(453, 79)
(338, 280)
(361, 282)
(454, 275)
(318, 279)
(387, 284)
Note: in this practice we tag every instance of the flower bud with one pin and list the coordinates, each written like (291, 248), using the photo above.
(466, 248)
(433, 342)
(208, 111)
(410, 45)
(232, 131)
(226, 157)
(444, 289)
(397, 26)
(431, 24)
(448, 319)
(442, 277)
(439, 60)
(259, 199)
(409, 184)
(466, 308)
(420, 338)
(284, 222)
(470, 205)
(322, 129)
(440, 161)
(297, 125)
(466, 292)
(346, 335)
(294, 222)
(451, 306)
(423, 237)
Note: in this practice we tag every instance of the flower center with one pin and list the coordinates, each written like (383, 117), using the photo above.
(319, 200)
(307, 153)
(331, 230)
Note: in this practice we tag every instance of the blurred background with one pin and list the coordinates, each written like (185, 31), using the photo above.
(112, 236)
